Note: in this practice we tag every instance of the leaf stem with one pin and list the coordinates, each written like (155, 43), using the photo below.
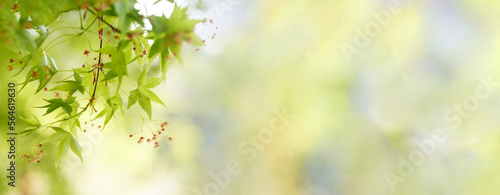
(102, 20)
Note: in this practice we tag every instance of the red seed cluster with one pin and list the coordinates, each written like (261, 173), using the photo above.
(34, 157)
(34, 75)
(152, 136)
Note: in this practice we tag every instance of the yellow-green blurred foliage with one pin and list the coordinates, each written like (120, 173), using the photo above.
(355, 116)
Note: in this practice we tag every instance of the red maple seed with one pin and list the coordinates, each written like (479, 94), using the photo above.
(86, 52)
(27, 25)
(45, 89)
(11, 60)
(170, 139)
(38, 161)
(131, 135)
(40, 145)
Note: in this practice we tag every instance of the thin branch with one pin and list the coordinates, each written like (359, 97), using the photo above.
(98, 65)
(102, 20)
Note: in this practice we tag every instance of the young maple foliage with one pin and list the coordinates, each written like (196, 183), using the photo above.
(88, 89)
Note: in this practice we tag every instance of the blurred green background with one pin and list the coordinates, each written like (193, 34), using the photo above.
(354, 116)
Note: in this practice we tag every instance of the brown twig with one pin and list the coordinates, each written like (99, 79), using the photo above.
(98, 66)
(102, 20)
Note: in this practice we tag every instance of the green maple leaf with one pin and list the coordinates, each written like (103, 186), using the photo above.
(170, 34)
(59, 103)
(71, 86)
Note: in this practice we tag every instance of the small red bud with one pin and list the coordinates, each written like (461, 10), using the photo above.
(40, 145)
